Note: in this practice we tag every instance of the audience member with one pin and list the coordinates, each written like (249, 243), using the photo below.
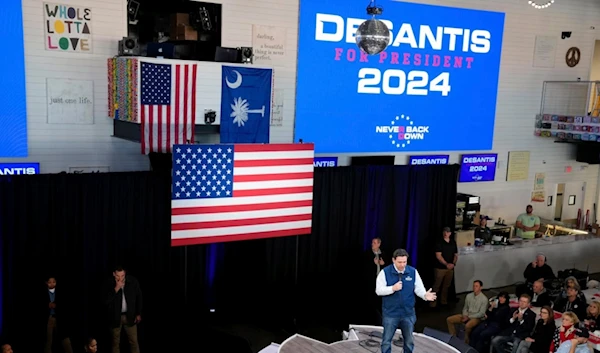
(577, 344)
(565, 332)
(592, 320)
(572, 303)
(55, 312)
(473, 312)
(572, 282)
(537, 270)
(91, 346)
(496, 320)
(540, 296)
(446, 253)
(527, 224)
(373, 263)
(124, 307)
(6, 348)
(522, 323)
(540, 339)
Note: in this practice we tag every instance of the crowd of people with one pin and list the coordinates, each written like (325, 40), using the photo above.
(122, 305)
(488, 325)
(493, 326)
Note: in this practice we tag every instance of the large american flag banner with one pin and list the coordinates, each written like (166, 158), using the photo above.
(168, 105)
(231, 192)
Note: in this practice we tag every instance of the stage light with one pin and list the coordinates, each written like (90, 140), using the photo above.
(373, 36)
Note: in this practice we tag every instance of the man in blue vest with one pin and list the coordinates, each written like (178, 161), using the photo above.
(397, 284)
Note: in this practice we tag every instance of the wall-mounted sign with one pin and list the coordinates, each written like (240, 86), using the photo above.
(19, 168)
(373, 103)
(70, 101)
(325, 162)
(478, 167)
(68, 28)
(426, 160)
(84, 170)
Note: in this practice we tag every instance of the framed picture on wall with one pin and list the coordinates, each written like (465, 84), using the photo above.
(571, 200)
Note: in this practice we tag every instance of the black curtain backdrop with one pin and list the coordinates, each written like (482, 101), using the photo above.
(78, 227)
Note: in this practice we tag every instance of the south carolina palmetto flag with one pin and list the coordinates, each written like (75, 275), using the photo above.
(168, 105)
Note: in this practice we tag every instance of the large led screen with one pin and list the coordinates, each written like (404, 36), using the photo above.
(13, 112)
(433, 89)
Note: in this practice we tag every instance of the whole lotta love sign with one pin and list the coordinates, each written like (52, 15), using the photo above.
(68, 28)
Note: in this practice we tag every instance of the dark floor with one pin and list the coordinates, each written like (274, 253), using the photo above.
(260, 337)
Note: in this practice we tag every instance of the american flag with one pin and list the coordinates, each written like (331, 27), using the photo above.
(233, 192)
(168, 105)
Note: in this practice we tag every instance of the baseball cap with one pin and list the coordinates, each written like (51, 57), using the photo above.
(582, 332)
(447, 229)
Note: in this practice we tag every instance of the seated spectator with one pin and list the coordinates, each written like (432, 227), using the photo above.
(572, 303)
(540, 296)
(540, 339)
(577, 344)
(572, 282)
(522, 323)
(6, 348)
(91, 346)
(592, 320)
(473, 312)
(565, 332)
(537, 270)
(496, 320)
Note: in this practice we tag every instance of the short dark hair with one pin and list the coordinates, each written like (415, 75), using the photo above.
(47, 277)
(527, 296)
(505, 295)
(478, 281)
(529, 206)
(399, 253)
(119, 268)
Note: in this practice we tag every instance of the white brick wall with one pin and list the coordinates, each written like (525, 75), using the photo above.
(59, 146)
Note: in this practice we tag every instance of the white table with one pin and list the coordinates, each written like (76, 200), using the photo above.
(500, 266)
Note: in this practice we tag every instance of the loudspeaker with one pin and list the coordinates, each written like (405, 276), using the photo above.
(129, 46)
(438, 335)
(461, 345)
(373, 160)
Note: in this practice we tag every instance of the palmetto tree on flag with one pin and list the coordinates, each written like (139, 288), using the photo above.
(240, 110)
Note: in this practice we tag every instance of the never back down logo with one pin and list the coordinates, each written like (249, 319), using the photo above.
(402, 131)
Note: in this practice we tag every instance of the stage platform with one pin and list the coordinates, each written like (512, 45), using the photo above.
(356, 341)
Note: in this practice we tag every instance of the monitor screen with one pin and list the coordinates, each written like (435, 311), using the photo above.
(477, 167)
(416, 95)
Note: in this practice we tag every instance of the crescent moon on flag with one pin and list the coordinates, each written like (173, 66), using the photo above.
(237, 83)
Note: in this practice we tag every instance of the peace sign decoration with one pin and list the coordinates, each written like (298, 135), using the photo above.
(573, 56)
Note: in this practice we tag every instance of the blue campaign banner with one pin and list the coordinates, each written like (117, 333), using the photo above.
(245, 104)
(325, 162)
(19, 168)
(438, 75)
(477, 167)
(427, 160)
(13, 112)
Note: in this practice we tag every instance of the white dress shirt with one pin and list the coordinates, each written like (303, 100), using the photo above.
(124, 302)
(382, 289)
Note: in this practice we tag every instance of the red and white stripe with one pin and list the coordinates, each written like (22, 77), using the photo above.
(166, 125)
(272, 197)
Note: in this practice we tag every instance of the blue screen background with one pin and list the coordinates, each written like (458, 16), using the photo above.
(13, 106)
(330, 112)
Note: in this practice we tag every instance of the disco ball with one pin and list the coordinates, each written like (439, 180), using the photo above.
(372, 36)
